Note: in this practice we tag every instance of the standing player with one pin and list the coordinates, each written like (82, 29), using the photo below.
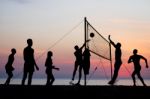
(9, 68)
(29, 64)
(135, 58)
(118, 60)
(49, 68)
(86, 63)
(78, 62)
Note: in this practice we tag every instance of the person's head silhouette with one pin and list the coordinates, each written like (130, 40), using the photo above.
(29, 42)
(86, 50)
(76, 47)
(118, 45)
(13, 50)
(49, 54)
(135, 51)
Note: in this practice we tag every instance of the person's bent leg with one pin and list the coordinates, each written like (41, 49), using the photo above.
(133, 78)
(80, 74)
(52, 79)
(139, 76)
(48, 79)
(9, 78)
(115, 75)
(75, 69)
(85, 79)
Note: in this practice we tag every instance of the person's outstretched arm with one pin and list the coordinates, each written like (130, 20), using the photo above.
(84, 44)
(145, 61)
(111, 41)
(130, 60)
(55, 68)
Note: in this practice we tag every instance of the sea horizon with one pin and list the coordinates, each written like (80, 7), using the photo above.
(65, 81)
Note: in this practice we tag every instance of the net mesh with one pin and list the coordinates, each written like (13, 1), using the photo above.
(98, 44)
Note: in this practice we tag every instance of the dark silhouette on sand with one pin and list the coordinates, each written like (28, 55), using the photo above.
(118, 60)
(9, 68)
(29, 64)
(135, 58)
(78, 62)
(49, 68)
(86, 63)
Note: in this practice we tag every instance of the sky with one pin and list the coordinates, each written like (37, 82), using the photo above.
(47, 21)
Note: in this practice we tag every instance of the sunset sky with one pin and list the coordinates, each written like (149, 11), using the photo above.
(47, 21)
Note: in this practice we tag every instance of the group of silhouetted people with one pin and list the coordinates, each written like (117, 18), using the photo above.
(82, 62)
(135, 58)
(29, 65)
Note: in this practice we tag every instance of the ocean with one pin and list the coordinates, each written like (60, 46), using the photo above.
(40, 81)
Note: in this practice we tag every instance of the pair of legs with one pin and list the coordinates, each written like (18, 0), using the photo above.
(50, 79)
(85, 67)
(75, 69)
(85, 79)
(80, 75)
(78, 64)
(116, 70)
(10, 75)
(29, 74)
(137, 71)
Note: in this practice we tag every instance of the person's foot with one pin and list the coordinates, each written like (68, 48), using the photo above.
(134, 85)
(144, 85)
(47, 84)
(71, 82)
(77, 84)
(6, 83)
(111, 82)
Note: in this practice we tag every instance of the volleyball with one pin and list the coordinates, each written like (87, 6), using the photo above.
(92, 35)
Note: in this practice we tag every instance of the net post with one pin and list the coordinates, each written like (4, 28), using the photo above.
(85, 31)
(110, 60)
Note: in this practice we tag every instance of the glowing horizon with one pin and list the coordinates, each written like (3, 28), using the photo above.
(46, 21)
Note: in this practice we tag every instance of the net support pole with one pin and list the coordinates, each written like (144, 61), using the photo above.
(85, 30)
(111, 60)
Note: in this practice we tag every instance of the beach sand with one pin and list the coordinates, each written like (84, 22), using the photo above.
(72, 92)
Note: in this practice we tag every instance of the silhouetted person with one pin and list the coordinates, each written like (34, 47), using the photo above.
(86, 63)
(29, 64)
(118, 60)
(9, 68)
(49, 67)
(78, 62)
(135, 58)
